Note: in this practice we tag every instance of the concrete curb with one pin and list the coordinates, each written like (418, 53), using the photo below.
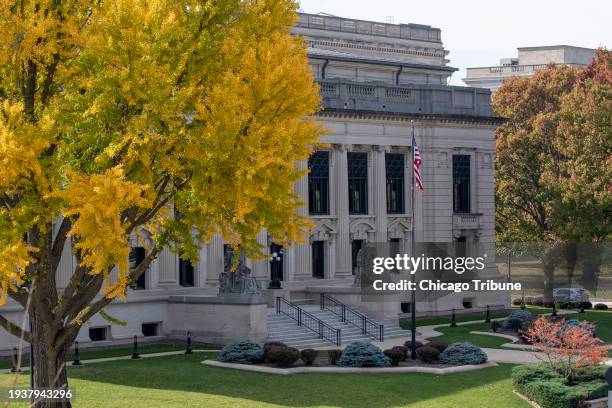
(352, 370)
(504, 336)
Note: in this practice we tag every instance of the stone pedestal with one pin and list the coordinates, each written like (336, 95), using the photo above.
(219, 319)
(272, 294)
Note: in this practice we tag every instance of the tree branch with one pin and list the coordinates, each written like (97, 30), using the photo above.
(14, 329)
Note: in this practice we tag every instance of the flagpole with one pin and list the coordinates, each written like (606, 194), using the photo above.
(413, 250)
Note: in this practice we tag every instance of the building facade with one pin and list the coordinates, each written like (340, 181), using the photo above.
(378, 81)
(529, 60)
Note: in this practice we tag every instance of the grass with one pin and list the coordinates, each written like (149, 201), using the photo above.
(181, 381)
(107, 353)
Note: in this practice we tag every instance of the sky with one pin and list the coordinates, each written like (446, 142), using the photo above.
(479, 33)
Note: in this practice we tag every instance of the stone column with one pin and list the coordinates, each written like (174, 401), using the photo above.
(343, 243)
(380, 193)
(261, 266)
(214, 260)
(303, 265)
(202, 268)
(167, 268)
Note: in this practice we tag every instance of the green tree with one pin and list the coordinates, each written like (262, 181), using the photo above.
(114, 114)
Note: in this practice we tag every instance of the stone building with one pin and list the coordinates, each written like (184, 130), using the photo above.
(529, 60)
(377, 81)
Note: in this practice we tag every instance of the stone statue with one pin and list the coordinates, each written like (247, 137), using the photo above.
(359, 267)
(239, 281)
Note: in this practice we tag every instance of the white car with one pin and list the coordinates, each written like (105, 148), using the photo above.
(571, 295)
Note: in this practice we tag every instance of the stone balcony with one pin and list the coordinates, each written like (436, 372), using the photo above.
(418, 99)
(507, 70)
(466, 221)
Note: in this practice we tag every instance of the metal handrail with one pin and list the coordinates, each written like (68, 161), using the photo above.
(305, 319)
(347, 314)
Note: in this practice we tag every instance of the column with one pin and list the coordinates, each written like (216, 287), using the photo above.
(343, 243)
(261, 266)
(380, 193)
(202, 269)
(214, 261)
(302, 252)
(167, 263)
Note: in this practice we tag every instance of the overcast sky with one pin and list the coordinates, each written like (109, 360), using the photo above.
(480, 32)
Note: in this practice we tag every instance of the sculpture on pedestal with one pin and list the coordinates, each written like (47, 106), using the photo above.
(240, 281)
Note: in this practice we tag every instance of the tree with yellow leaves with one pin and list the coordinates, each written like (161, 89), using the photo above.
(116, 115)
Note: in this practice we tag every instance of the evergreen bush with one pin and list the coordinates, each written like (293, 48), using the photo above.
(363, 354)
(242, 352)
(462, 354)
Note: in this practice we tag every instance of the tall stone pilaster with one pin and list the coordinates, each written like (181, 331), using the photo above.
(343, 243)
(214, 260)
(301, 253)
(380, 194)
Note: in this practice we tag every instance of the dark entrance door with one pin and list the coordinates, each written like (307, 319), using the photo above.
(318, 259)
(356, 245)
(276, 262)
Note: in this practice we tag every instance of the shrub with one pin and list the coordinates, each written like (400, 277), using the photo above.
(283, 356)
(408, 344)
(517, 301)
(243, 352)
(270, 345)
(363, 354)
(428, 354)
(566, 347)
(462, 354)
(333, 356)
(529, 300)
(495, 326)
(404, 350)
(538, 302)
(518, 320)
(586, 305)
(394, 355)
(309, 356)
(600, 306)
(439, 345)
(548, 389)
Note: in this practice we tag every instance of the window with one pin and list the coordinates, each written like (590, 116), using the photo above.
(137, 255)
(461, 183)
(358, 182)
(186, 273)
(97, 333)
(394, 166)
(356, 245)
(318, 183)
(394, 246)
(149, 329)
(318, 259)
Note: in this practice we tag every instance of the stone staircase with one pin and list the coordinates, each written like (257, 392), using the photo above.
(283, 328)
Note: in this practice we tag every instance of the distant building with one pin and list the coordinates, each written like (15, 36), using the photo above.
(529, 60)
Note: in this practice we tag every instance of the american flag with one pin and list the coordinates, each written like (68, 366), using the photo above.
(416, 164)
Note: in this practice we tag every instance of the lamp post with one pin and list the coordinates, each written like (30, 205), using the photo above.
(275, 261)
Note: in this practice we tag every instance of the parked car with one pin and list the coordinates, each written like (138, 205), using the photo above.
(571, 295)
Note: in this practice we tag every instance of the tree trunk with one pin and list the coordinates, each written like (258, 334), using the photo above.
(49, 364)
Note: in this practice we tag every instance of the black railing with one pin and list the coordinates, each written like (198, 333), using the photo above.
(305, 319)
(349, 315)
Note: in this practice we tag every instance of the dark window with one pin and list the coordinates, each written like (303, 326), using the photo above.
(276, 261)
(394, 165)
(97, 333)
(356, 245)
(318, 259)
(468, 303)
(149, 329)
(318, 183)
(406, 307)
(137, 255)
(186, 273)
(461, 247)
(461, 183)
(358, 182)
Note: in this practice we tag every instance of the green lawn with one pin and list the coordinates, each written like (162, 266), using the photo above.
(181, 381)
(112, 352)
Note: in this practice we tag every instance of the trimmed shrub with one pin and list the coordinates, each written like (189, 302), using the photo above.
(270, 345)
(408, 344)
(517, 301)
(333, 356)
(283, 356)
(518, 320)
(363, 354)
(600, 306)
(495, 326)
(394, 355)
(587, 305)
(440, 345)
(538, 302)
(404, 350)
(462, 354)
(309, 356)
(428, 354)
(242, 352)
(548, 389)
